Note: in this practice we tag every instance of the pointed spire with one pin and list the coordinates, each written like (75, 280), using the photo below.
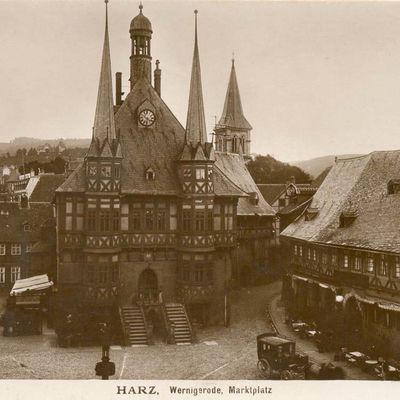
(104, 125)
(232, 115)
(195, 122)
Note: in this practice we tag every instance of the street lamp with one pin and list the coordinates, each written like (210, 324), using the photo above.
(105, 368)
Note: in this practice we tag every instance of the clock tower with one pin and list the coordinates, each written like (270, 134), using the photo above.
(140, 31)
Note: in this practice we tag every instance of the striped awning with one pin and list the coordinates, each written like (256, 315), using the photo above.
(34, 283)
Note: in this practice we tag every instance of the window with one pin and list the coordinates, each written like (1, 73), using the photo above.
(15, 274)
(106, 171)
(27, 227)
(116, 221)
(187, 172)
(186, 220)
(172, 217)
(28, 247)
(198, 273)
(383, 267)
(117, 172)
(149, 220)
(301, 251)
(2, 274)
(345, 261)
(136, 220)
(160, 221)
(324, 258)
(2, 249)
(15, 249)
(102, 274)
(185, 273)
(314, 255)
(200, 173)
(295, 250)
(91, 221)
(104, 221)
(68, 223)
(68, 207)
(357, 263)
(90, 274)
(334, 259)
(199, 220)
(309, 254)
(114, 274)
(370, 265)
(397, 268)
(150, 175)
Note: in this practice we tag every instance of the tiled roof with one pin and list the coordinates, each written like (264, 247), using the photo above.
(45, 188)
(356, 184)
(13, 218)
(234, 169)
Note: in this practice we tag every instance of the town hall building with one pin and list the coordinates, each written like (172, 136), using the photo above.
(158, 223)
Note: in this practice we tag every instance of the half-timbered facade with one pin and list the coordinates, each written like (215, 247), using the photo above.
(151, 215)
(344, 251)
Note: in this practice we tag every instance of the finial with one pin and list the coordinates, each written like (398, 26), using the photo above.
(140, 7)
(233, 58)
(157, 64)
(195, 24)
(106, 3)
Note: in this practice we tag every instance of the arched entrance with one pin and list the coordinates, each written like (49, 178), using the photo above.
(148, 286)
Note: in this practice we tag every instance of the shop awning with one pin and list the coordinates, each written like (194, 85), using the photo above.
(34, 283)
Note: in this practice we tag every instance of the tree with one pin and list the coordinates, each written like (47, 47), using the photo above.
(266, 169)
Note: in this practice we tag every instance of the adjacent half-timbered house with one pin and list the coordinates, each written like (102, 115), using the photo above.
(344, 251)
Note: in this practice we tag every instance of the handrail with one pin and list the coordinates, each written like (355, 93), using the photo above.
(124, 328)
(170, 338)
(146, 326)
(189, 323)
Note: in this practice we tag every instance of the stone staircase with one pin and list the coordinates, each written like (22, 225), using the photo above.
(135, 325)
(178, 319)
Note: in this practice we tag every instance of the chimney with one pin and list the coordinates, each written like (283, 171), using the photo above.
(118, 88)
(157, 78)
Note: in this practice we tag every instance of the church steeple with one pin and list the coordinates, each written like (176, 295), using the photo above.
(232, 115)
(104, 125)
(195, 122)
(233, 129)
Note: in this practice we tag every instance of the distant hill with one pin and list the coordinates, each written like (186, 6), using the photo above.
(315, 166)
(27, 143)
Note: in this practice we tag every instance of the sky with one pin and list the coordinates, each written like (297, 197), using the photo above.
(315, 78)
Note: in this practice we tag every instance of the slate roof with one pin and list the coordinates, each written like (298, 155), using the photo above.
(13, 218)
(271, 191)
(359, 184)
(232, 114)
(195, 122)
(45, 188)
(234, 169)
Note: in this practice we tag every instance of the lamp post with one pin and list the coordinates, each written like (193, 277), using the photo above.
(105, 368)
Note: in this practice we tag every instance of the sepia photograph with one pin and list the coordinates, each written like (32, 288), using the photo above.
(199, 191)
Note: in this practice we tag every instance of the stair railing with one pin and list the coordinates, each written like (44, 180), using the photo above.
(125, 333)
(170, 334)
(146, 326)
(192, 333)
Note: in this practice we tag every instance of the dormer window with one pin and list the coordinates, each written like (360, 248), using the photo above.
(311, 213)
(347, 218)
(393, 186)
(27, 227)
(254, 199)
(150, 175)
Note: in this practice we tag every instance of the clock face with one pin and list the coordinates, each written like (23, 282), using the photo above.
(147, 118)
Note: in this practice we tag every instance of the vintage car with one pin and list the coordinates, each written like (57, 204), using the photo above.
(277, 358)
